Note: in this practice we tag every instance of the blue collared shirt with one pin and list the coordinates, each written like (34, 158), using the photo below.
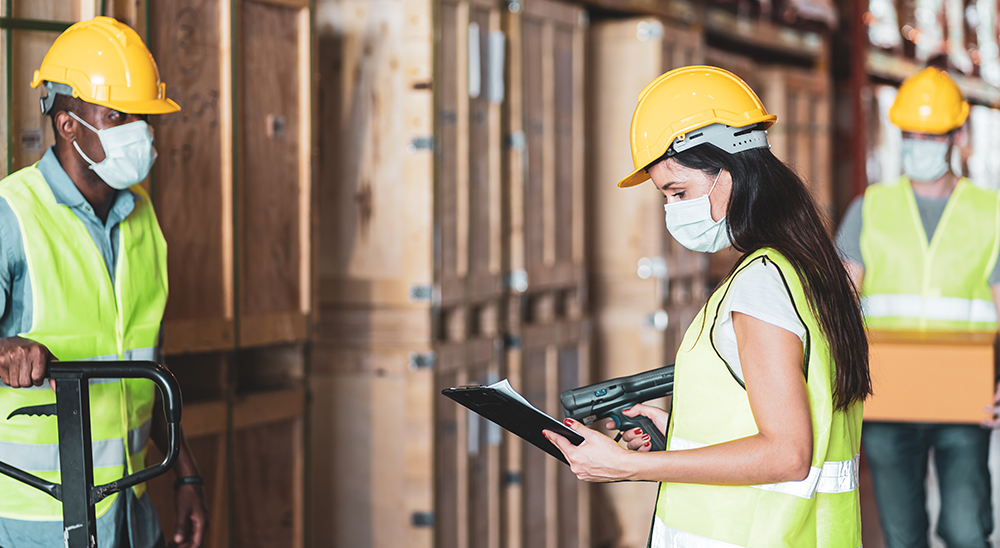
(128, 515)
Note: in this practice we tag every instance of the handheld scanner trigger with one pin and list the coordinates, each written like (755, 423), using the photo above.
(657, 440)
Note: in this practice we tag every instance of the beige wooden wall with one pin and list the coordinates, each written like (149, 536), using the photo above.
(451, 164)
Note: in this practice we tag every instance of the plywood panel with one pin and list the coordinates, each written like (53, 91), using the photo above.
(446, 453)
(538, 525)
(481, 243)
(535, 132)
(547, 205)
(450, 128)
(468, 189)
(386, 446)
(192, 191)
(271, 181)
(267, 468)
(32, 133)
(52, 10)
(375, 62)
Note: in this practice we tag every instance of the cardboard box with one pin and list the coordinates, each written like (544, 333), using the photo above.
(930, 377)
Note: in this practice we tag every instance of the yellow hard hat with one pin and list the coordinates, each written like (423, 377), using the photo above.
(929, 102)
(106, 63)
(686, 99)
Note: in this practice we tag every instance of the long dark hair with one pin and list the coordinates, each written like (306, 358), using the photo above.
(770, 206)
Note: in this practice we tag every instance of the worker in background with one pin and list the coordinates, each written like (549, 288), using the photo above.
(765, 428)
(83, 276)
(922, 249)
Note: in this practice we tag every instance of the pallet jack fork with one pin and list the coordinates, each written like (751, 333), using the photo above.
(77, 491)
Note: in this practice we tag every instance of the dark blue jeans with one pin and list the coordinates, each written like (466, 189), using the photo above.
(897, 455)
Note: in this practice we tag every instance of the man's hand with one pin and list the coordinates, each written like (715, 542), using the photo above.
(192, 516)
(993, 410)
(23, 362)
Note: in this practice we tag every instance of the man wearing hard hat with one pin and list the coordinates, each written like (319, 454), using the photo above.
(923, 250)
(83, 275)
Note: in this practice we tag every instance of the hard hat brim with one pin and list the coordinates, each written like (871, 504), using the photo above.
(637, 177)
(156, 106)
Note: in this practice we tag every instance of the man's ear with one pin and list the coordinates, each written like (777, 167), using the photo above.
(65, 126)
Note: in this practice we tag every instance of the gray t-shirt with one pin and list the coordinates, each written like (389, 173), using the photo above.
(930, 209)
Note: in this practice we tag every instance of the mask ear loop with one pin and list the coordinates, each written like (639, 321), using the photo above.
(91, 128)
(717, 175)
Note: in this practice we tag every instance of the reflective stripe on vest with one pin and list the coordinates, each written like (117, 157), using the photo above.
(834, 477)
(668, 537)
(911, 283)
(78, 314)
(44, 457)
(710, 406)
(948, 309)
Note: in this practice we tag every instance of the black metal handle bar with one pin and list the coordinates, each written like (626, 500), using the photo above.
(72, 383)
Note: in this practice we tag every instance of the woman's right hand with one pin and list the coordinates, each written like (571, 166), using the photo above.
(635, 438)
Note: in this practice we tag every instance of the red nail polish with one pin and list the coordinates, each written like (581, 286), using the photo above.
(638, 431)
(568, 422)
(647, 444)
(646, 437)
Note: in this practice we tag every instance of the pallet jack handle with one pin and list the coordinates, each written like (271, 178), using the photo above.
(77, 491)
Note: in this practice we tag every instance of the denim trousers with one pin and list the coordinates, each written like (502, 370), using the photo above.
(897, 455)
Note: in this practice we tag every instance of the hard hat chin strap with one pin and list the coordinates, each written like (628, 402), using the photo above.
(729, 139)
(51, 90)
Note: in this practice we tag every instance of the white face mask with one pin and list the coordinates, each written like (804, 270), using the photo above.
(690, 223)
(128, 153)
(924, 161)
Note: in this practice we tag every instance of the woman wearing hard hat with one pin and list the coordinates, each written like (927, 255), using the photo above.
(765, 428)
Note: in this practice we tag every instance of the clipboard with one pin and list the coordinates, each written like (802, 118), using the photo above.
(502, 405)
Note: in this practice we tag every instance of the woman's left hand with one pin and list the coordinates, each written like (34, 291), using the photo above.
(597, 459)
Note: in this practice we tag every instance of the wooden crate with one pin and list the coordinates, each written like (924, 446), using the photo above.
(547, 332)
(646, 288)
(373, 347)
(193, 176)
(469, 80)
(371, 429)
(275, 171)
(268, 467)
(545, 162)
(376, 152)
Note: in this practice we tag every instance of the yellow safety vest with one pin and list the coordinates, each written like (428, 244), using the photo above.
(710, 406)
(942, 285)
(79, 315)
